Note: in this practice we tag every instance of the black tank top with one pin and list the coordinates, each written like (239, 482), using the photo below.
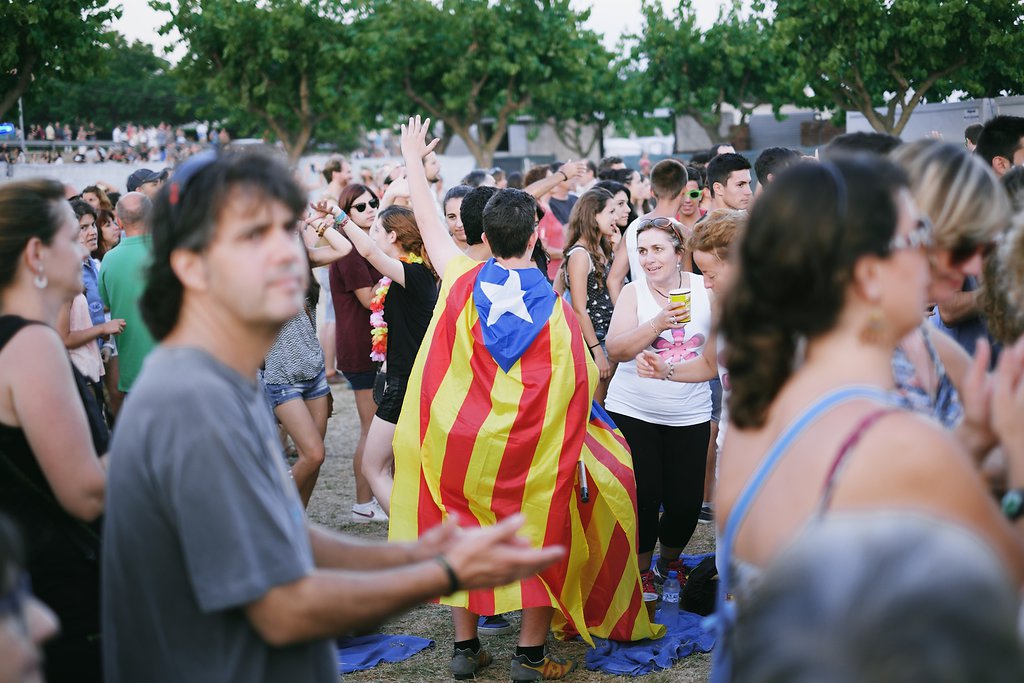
(63, 552)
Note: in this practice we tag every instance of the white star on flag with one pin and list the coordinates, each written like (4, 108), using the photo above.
(506, 298)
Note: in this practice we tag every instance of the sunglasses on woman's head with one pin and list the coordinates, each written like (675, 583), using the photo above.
(662, 223)
(361, 206)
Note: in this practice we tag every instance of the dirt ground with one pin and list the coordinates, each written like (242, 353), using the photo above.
(331, 506)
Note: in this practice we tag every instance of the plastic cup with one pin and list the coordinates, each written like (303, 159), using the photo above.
(681, 296)
(651, 603)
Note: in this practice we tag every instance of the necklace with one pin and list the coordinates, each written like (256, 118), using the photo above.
(379, 326)
(663, 294)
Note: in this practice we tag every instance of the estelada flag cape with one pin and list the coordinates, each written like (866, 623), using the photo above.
(497, 416)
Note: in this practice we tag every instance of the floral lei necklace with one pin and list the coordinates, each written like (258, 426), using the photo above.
(378, 326)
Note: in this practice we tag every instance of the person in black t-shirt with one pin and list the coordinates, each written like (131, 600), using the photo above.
(400, 312)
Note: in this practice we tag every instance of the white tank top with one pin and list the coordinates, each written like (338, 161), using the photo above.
(677, 404)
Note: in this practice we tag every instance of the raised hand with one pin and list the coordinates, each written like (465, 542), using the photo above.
(414, 140)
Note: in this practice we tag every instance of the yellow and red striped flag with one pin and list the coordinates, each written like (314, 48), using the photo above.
(496, 417)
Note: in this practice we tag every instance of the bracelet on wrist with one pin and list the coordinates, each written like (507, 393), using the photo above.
(453, 579)
(671, 369)
(594, 346)
(564, 175)
(341, 219)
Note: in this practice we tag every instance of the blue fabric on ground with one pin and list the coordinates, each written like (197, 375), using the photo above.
(366, 652)
(685, 637)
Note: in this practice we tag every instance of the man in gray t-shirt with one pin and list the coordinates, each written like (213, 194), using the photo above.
(204, 520)
(211, 572)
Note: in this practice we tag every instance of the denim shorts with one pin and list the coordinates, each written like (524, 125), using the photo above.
(716, 399)
(306, 390)
(360, 381)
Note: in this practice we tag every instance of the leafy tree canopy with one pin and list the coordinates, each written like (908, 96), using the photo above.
(49, 39)
(861, 54)
(286, 64)
(676, 64)
(475, 65)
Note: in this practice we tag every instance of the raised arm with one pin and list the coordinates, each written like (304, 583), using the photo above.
(439, 244)
(368, 249)
(568, 171)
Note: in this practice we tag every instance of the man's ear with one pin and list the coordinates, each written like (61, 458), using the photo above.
(190, 269)
(716, 189)
(1001, 164)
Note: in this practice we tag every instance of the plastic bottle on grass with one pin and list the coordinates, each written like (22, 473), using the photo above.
(670, 599)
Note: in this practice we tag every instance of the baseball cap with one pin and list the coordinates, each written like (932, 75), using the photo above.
(141, 177)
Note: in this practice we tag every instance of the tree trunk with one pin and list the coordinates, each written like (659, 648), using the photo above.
(296, 148)
(24, 80)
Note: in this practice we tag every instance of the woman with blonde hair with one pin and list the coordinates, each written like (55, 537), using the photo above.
(968, 209)
(833, 271)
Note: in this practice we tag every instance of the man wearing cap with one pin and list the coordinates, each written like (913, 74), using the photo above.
(145, 181)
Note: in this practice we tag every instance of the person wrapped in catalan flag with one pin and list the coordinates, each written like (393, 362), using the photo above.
(497, 420)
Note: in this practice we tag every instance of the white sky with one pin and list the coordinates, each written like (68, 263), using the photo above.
(609, 18)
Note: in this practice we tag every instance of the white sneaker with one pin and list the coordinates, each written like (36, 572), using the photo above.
(364, 513)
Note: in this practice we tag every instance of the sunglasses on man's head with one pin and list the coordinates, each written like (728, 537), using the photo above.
(694, 194)
(361, 206)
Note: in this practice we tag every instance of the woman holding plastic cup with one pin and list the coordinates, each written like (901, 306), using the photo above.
(667, 424)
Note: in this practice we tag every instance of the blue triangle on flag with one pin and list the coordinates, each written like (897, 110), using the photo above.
(513, 307)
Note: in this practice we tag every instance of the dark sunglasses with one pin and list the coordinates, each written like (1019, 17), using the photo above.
(361, 206)
(694, 194)
(965, 251)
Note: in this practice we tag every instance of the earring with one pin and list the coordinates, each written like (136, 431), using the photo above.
(874, 331)
(40, 280)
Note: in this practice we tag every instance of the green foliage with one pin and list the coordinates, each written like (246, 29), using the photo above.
(127, 83)
(861, 54)
(284, 65)
(48, 39)
(466, 61)
(675, 64)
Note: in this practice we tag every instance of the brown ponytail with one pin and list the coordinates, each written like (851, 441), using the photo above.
(795, 261)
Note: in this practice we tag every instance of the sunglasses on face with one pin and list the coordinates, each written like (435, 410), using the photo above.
(361, 206)
(967, 250)
(694, 194)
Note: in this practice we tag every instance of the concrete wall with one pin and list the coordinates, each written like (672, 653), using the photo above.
(949, 119)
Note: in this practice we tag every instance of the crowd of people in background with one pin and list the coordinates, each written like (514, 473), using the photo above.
(821, 355)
